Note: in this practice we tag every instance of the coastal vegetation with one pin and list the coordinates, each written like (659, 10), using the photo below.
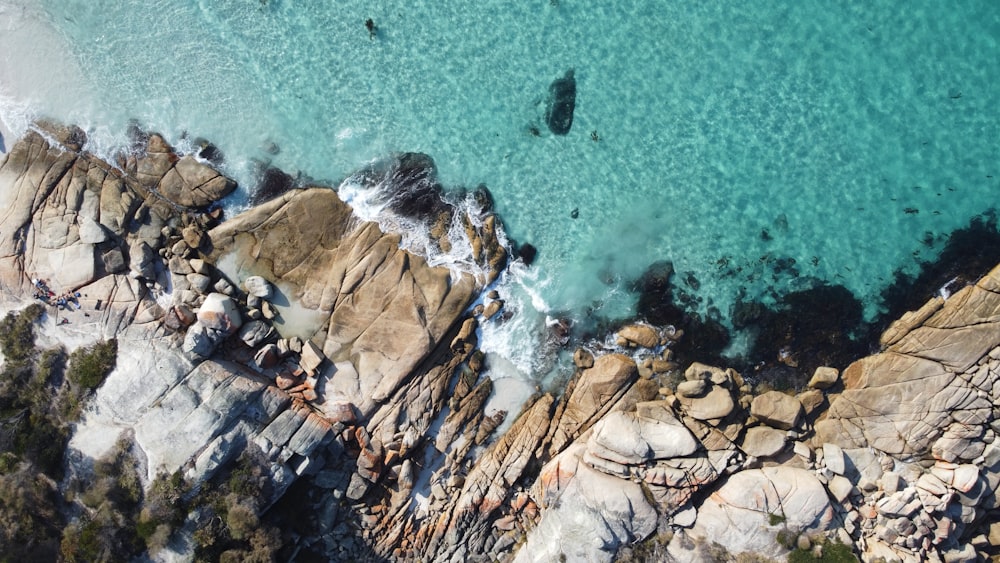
(103, 514)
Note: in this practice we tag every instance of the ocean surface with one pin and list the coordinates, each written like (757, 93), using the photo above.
(850, 137)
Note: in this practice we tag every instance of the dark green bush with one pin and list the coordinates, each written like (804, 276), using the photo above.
(89, 366)
(17, 334)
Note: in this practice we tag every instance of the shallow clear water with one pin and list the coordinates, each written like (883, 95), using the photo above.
(819, 122)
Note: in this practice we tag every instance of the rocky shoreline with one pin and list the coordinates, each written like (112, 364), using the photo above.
(349, 368)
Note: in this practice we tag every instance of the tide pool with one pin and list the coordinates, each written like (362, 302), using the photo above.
(849, 137)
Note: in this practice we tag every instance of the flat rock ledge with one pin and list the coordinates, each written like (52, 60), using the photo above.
(300, 331)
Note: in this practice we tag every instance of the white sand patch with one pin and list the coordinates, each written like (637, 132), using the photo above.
(510, 390)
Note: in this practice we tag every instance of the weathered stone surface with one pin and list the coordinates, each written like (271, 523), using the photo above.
(201, 340)
(219, 312)
(258, 287)
(503, 464)
(597, 513)
(143, 260)
(199, 282)
(812, 401)
(311, 357)
(840, 488)
(628, 439)
(736, 516)
(594, 392)
(255, 333)
(640, 335)
(763, 441)
(833, 458)
(899, 404)
(583, 358)
(386, 307)
(824, 378)
(777, 409)
(716, 404)
(91, 231)
(692, 389)
(615, 457)
(190, 183)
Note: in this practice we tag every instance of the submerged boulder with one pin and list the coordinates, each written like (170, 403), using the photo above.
(561, 103)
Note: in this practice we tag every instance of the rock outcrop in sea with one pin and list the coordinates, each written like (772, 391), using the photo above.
(304, 333)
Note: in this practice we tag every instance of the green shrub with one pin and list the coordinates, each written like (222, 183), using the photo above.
(8, 462)
(89, 366)
(17, 334)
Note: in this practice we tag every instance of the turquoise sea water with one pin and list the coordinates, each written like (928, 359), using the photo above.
(849, 131)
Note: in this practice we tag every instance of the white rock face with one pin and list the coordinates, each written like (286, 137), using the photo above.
(738, 515)
(91, 232)
(596, 514)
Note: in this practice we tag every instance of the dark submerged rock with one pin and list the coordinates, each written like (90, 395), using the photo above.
(272, 183)
(483, 198)
(968, 254)
(138, 138)
(208, 151)
(820, 326)
(705, 337)
(561, 104)
(527, 252)
(408, 184)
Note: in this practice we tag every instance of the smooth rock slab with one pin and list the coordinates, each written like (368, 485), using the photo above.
(716, 404)
(737, 515)
(763, 441)
(776, 409)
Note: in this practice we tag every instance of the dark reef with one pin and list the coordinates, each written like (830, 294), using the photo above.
(968, 254)
(662, 303)
(271, 183)
(819, 325)
(408, 184)
(561, 104)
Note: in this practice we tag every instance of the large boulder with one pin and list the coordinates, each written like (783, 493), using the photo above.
(777, 409)
(592, 395)
(258, 287)
(596, 513)
(639, 335)
(220, 312)
(627, 438)
(746, 513)
(716, 404)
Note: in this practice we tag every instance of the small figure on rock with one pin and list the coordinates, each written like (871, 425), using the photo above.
(371, 27)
